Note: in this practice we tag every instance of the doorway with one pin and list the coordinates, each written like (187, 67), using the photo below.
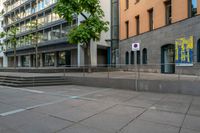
(168, 58)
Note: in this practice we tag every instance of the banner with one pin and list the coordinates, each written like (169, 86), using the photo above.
(184, 51)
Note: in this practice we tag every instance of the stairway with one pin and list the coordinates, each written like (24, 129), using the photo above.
(32, 81)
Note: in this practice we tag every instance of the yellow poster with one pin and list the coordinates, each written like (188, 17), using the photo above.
(184, 51)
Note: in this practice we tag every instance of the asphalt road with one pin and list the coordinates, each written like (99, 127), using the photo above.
(78, 109)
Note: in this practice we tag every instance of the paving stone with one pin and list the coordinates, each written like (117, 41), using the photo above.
(113, 119)
(188, 131)
(178, 107)
(140, 126)
(151, 96)
(140, 103)
(5, 108)
(170, 118)
(178, 98)
(192, 122)
(81, 129)
(194, 110)
(32, 122)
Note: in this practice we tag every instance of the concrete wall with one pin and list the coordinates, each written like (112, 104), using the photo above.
(154, 40)
(161, 86)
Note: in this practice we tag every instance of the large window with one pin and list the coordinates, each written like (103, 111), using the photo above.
(198, 51)
(137, 19)
(144, 56)
(138, 57)
(150, 19)
(168, 12)
(47, 34)
(132, 57)
(127, 4)
(49, 59)
(192, 8)
(55, 33)
(127, 58)
(127, 28)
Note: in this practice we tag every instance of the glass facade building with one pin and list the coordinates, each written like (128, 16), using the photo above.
(50, 31)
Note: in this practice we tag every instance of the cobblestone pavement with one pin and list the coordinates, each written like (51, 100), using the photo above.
(78, 109)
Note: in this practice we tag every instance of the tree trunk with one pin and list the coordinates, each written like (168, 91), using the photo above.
(36, 55)
(89, 58)
(15, 61)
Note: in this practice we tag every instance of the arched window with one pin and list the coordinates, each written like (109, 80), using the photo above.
(127, 57)
(144, 56)
(132, 57)
(198, 51)
(138, 57)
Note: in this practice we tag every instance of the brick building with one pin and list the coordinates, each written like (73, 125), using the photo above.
(159, 25)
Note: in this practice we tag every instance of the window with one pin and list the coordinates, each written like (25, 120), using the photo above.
(127, 4)
(55, 33)
(127, 57)
(132, 57)
(127, 29)
(150, 19)
(138, 57)
(49, 59)
(144, 56)
(192, 8)
(168, 14)
(137, 19)
(198, 51)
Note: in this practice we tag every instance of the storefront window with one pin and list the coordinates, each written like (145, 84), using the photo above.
(25, 61)
(61, 58)
(49, 59)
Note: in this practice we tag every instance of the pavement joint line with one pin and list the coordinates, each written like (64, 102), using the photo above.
(12, 112)
(139, 114)
(28, 90)
(29, 108)
(185, 115)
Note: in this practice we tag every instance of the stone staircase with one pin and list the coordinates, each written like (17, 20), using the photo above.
(15, 81)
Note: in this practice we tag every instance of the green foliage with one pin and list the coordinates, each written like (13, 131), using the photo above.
(91, 27)
(10, 35)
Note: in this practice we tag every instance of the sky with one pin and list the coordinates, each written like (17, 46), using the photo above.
(195, 3)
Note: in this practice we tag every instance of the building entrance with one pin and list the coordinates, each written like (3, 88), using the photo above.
(168, 58)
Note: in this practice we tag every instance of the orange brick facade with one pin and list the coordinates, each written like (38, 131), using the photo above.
(179, 12)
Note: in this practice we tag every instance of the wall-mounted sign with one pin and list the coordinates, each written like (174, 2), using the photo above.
(184, 51)
(135, 46)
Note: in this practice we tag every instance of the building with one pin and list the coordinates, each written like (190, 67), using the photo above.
(53, 48)
(3, 58)
(168, 32)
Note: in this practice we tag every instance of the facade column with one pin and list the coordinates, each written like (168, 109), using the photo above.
(19, 64)
(56, 59)
(41, 60)
(5, 61)
(93, 52)
(80, 53)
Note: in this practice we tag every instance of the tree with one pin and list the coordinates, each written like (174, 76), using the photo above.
(11, 36)
(90, 28)
(34, 25)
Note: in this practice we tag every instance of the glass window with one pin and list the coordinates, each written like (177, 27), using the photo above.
(138, 57)
(151, 19)
(62, 58)
(168, 10)
(137, 19)
(127, 29)
(144, 56)
(56, 32)
(132, 57)
(49, 59)
(127, 58)
(47, 34)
